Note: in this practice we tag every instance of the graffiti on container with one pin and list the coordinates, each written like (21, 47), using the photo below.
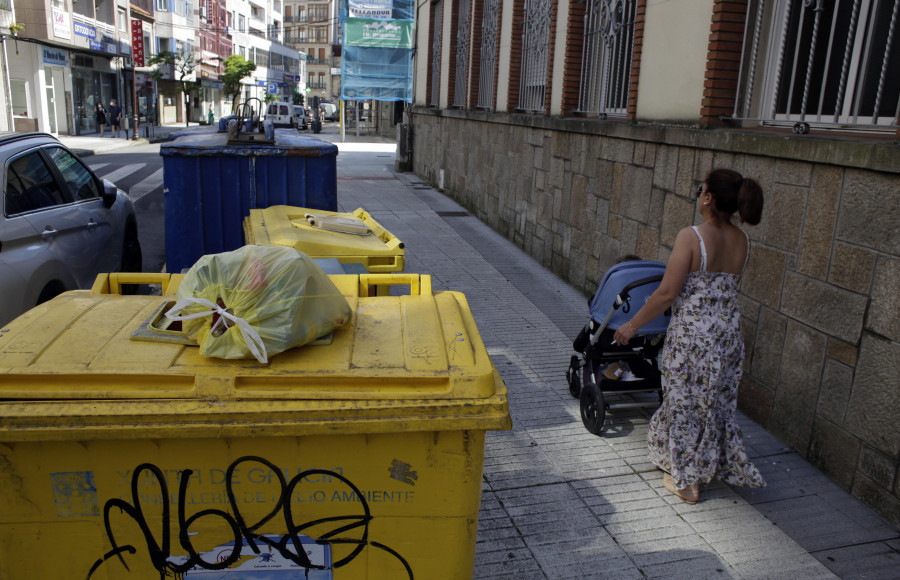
(287, 546)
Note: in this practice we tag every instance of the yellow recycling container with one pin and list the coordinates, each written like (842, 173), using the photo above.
(125, 454)
(352, 238)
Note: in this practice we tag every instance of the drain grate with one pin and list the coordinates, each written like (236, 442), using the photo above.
(453, 213)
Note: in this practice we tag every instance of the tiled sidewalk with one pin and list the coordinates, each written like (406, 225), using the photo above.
(559, 502)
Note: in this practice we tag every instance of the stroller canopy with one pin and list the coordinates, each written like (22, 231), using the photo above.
(616, 279)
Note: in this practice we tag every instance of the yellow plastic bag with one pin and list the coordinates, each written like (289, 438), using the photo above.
(257, 301)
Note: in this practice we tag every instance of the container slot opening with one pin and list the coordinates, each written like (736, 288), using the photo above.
(343, 225)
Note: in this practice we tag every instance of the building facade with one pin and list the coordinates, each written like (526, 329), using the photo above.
(580, 130)
(67, 58)
(312, 27)
(258, 35)
(63, 57)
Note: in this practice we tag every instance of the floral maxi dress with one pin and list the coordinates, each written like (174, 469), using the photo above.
(694, 434)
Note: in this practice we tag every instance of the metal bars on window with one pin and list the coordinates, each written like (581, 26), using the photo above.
(827, 62)
(535, 55)
(606, 62)
(437, 33)
(489, 22)
(462, 55)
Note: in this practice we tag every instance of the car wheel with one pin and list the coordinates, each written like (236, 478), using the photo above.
(132, 258)
(51, 290)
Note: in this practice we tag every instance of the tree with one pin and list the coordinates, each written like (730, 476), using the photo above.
(298, 97)
(236, 69)
(183, 67)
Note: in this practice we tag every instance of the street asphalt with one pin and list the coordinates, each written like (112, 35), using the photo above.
(557, 501)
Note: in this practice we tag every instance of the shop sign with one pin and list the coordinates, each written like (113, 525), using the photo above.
(373, 33)
(209, 59)
(97, 46)
(381, 9)
(85, 30)
(137, 41)
(61, 26)
(54, 56)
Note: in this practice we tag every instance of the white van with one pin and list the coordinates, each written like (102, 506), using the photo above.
(329, 111)
(280, 114)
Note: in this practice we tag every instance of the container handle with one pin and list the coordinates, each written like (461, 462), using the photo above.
(112, 283)
(419, 285)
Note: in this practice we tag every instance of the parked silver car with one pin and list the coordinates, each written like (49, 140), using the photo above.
(60, 224)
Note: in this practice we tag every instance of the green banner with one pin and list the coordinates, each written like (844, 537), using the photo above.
(378, 33)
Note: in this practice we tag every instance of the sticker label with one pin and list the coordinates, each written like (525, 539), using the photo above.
(75, 494)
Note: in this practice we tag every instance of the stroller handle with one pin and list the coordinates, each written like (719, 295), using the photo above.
(624, 297)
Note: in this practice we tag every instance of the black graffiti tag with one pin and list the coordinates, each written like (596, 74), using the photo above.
(159, 548)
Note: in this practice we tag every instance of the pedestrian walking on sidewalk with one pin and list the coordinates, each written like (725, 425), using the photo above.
(115, 117)
(100, 116)
(694, 436)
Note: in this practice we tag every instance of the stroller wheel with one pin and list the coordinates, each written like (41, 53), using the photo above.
(593, 409)
(573, 377)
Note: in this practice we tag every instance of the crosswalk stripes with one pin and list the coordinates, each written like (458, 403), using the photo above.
(138, 179)
(123, 172)
(147, 185)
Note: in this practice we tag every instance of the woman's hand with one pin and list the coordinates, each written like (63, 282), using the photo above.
(625, 333)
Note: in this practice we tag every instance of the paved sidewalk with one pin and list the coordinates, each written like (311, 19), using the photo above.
(559, 502)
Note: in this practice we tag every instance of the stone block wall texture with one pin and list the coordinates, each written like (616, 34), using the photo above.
(820, 300)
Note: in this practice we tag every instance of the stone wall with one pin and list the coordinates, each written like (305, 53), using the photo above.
(821, 296)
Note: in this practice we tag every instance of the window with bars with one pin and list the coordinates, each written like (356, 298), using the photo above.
(828, 63)
(437, 18)
(607, 57)
(535, 55)
(488, 55)
(462, 54)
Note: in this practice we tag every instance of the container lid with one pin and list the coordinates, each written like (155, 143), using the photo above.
(288, 143)
(403, 363)
(320, 233)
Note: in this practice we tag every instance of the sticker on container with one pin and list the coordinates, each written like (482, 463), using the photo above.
(271, 563)
(403, 472)
(75, 494)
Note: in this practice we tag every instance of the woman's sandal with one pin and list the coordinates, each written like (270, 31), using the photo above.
(689, 495)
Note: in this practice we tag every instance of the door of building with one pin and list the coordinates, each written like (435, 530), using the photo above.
(51, 101)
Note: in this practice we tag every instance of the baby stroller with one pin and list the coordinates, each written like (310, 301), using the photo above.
(603, 368)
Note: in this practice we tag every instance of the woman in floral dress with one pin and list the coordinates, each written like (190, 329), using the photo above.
(694, 436)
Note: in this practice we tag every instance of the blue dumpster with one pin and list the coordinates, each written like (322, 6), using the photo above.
(211, 186)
